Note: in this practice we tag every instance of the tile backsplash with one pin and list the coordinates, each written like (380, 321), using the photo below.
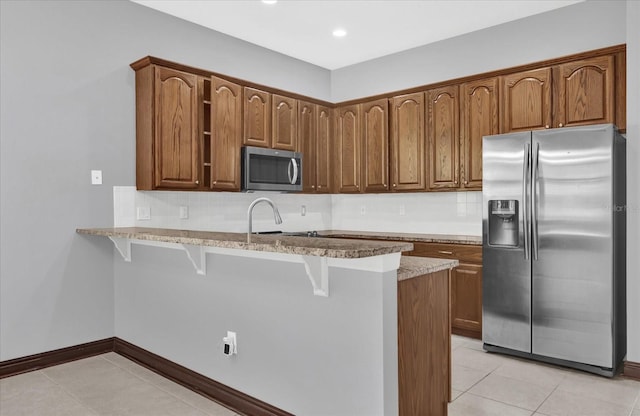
(433, 212)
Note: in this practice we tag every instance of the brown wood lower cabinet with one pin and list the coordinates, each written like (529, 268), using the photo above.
(424, 345)
(466, 300)
(466, 284)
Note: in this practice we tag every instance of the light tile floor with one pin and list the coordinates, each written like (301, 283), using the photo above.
(487, 384)
(483, 385)
(105, 385)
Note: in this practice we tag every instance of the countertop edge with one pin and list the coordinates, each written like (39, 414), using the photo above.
(409, 237)
(411, 267)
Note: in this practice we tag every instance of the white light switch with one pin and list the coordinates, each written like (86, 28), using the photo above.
(402, 210)
(303, 210)
(96, 177)
(184, 212)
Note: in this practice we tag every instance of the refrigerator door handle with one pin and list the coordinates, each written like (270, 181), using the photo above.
(526, 169)
(534, 202)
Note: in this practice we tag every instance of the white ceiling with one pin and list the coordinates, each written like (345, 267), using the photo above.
(303, 28)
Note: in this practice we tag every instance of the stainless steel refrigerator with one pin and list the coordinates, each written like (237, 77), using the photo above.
(554, 246)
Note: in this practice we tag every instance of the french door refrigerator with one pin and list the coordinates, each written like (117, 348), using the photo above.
(554, 246)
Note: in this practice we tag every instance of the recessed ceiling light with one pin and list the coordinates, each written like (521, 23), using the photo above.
(269, 1)
(339, 33)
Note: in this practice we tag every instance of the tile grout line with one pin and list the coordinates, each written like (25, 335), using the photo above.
(498, 401)
(68, 393)
(165, 391)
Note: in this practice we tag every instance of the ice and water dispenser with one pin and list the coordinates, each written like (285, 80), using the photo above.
(503, 222)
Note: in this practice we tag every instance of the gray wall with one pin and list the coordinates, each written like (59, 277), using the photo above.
(577, 28)
(68, 107)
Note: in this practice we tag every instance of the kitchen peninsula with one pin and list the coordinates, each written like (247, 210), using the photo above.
(374, 342)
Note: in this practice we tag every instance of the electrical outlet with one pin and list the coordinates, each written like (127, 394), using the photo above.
(96, 177)
(230, 344)
(143, 213)
(303, 210)
(184, 212)
(363, 210)
(402, 211)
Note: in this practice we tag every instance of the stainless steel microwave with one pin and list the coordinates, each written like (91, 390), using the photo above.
(271, 170)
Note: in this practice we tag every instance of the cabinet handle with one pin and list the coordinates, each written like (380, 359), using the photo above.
(455, 182)
(546, 126)
(394, 185)
(445, 252)
(466, 182)
(197, 182)
(465, 271)
(314, 187)
(561, 125)
(319, 186)
(215, 182)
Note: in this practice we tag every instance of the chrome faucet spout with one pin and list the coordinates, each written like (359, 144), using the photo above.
(276, 214)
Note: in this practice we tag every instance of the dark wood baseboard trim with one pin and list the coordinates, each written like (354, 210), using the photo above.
(231, 398)
(631, 370)
(50, 358)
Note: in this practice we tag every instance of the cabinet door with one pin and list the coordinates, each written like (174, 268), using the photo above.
(444, 144)
(257, 118)
(375, 146)
(226, 134)
(407, 142)
(307, 131)
(323, 149)
(347, 146)
(586, 92)
(526, 100)
(479, 117)
(177, 133)
(466, 300)
(285, 123)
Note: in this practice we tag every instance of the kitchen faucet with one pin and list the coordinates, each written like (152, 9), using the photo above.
(276, 214)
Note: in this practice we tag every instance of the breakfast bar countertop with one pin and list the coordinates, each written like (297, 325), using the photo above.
(279, 243)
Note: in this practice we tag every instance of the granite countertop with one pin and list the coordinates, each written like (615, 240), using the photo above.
(423, 238)
(316, 246)
(417, 266)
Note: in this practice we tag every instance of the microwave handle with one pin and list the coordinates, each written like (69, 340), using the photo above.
(293, 178)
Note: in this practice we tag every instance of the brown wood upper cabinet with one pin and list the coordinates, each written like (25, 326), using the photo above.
(444, 143)
(526, 101)
(314, 133)
(226, 135)
(583, 93)
(375, 146)
(257, 118)
(167, 128)
(478, 118)
(347, 149)
(284, 123)
(324, 155)
(407, 142)
(586, 92)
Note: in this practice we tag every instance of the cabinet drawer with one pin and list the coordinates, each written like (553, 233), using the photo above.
(463, 252)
